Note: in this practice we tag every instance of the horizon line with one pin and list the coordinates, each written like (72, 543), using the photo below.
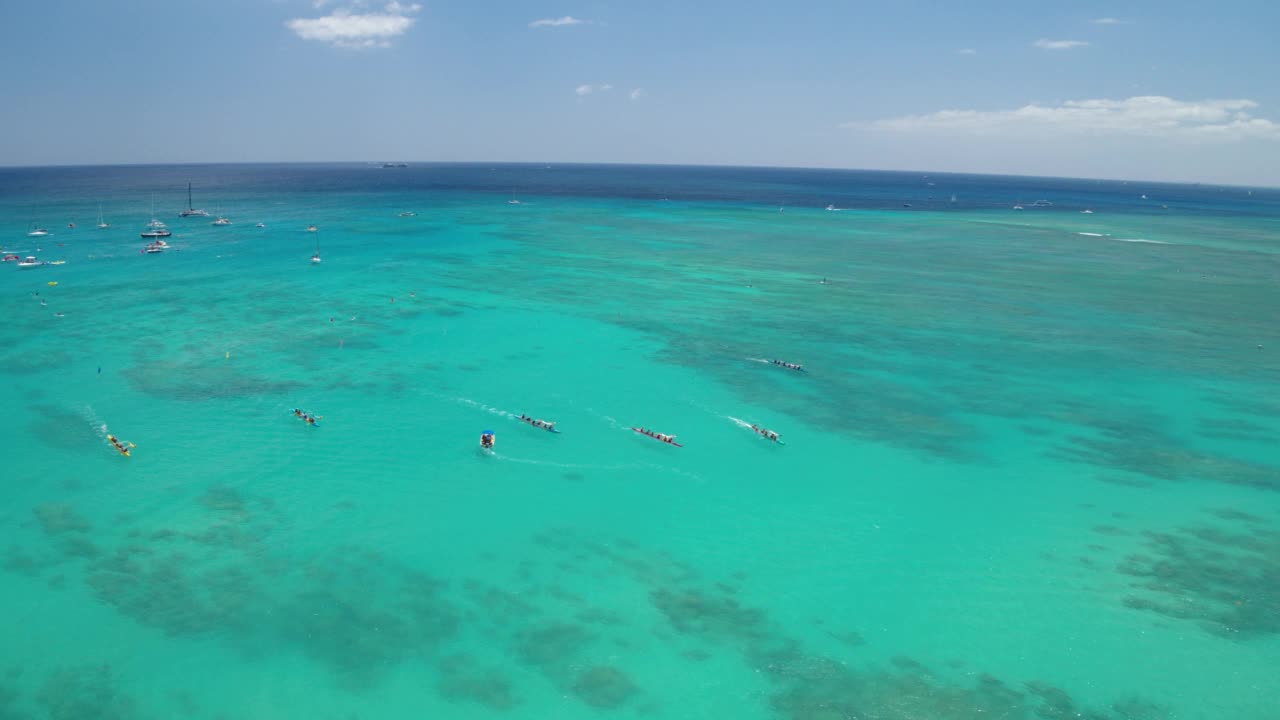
(1189, 183)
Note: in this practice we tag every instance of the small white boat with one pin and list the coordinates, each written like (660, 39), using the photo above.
(102, 224)
(408, 213)
(311, 228)
(261, 225)
(1017, 207)
(221, 221)
(155, 248)
(38, 232)
(29, 262)
(513, 201)
(1086, 212)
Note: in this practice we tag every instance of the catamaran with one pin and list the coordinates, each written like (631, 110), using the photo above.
(156, 229)
(191, 211)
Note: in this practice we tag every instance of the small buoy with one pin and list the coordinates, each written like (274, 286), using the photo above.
(227, 356)
(52, 283)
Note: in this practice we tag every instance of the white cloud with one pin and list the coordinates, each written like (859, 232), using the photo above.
(1150, 115)
(559, 22)
(967, 51)
(584, 90)
(637, 93)
(1108, 21)
(347, 29)
(1059, 44)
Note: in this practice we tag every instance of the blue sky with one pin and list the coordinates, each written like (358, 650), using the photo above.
(1152, 90)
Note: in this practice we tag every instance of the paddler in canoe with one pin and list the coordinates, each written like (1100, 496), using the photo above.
(668, 439)
(548, 426)
(764, 433)
(120, 446)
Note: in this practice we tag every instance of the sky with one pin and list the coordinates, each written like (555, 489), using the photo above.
(1169, 90)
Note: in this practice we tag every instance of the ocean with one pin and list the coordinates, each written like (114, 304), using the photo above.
(1029, 469)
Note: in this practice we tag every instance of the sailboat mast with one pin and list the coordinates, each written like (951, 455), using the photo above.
(189, 205)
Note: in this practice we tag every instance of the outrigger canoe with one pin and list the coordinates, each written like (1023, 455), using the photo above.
(788, 365)
(540, 424)
(119, 445)
(668, 439)
(767, 434)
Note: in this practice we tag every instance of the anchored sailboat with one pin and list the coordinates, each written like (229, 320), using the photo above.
(315, 259)
(33, 228)
(191, 211)
(102, 224)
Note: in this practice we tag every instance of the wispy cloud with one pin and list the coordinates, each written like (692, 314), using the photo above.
(637, 93)
(1109, 21)
(1059, 44)
(559, 22)
(351, 27)
(967, 51)
(584, 90)
(1148, 115)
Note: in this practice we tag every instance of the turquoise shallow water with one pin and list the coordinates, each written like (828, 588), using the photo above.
(1031, 471)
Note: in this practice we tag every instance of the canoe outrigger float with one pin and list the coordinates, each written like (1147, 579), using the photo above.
(306, 417)
(767, 434)
(548, 426)
(121, 446)
(790, 366)
(668, 439)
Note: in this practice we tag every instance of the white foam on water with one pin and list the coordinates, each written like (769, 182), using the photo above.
(481, 406)
(609, 420)
(1088, 234)
(1143, 240)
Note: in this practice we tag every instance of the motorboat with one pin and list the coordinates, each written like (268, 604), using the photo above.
(29, 262)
